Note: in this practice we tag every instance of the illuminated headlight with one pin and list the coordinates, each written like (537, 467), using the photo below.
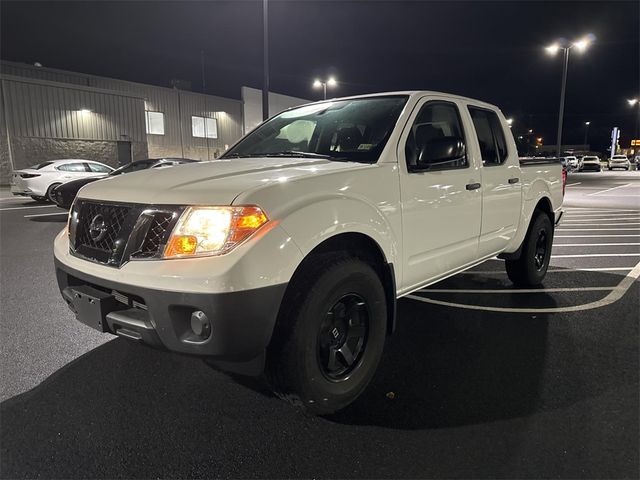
(213, 230)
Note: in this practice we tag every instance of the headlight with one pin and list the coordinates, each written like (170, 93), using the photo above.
(213, 230)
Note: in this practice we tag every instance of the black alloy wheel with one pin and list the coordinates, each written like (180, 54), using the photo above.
(541, 250)
(343, 336)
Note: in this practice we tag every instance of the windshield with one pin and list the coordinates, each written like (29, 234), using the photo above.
(352, 130)
(135, 166)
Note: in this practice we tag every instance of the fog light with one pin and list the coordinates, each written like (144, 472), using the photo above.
(200, 324)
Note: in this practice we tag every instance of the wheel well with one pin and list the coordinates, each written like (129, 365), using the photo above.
(365, 248)
(544, 205)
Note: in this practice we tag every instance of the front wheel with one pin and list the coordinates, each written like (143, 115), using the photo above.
(329, 338)
(530, 269)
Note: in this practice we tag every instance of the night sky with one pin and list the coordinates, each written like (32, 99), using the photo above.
(492, 51)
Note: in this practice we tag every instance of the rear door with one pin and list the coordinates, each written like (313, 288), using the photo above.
(97, 169)
(501, 182)
(441, 208)
(72, 171)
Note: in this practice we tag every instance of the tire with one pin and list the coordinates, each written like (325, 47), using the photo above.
(321, 314)
(38, 199)
(49, 194)
(530, 269)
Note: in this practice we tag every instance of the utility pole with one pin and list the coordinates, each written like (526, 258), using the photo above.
(562, 93)
(586, 132)
(265, 55)
(204, 85)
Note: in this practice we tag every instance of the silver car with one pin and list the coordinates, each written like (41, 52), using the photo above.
(619, 161)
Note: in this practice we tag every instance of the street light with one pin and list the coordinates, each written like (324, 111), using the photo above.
(586, 132)
(562, 44)
(331, 82)
(509, 122)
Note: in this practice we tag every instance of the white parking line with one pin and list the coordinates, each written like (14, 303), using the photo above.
(46, 214)
(552, 270)
(519, 290)
(594, 236)
(592, 244)
(595, 229)
(602, 215)
(616, 294)
(573, 184)
(24, 208)
(597, 255)
(579, 223)
(598, 210)
(609, 189)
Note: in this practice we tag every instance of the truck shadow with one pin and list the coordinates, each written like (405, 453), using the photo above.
(445, 367)
(450, 367)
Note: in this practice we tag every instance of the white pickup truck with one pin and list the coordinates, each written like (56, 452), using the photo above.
(287, 255)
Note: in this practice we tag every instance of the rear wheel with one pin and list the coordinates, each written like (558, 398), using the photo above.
(330, 335)
(49, 194)
(530, 269)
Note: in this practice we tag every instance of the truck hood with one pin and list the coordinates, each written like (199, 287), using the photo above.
(216, 182)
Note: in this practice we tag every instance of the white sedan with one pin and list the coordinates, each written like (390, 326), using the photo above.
(619, 161)
(39, 180)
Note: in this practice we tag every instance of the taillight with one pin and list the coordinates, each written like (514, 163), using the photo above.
(29, 175)
(564, 180)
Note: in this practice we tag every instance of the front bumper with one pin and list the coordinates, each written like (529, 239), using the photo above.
(240, 323)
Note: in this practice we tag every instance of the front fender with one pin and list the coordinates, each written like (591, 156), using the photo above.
(311, 224)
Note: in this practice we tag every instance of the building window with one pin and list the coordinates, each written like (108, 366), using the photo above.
(154, 122)
(203, 127)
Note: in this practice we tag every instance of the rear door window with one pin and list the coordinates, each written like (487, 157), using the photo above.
(72, 167)
(97, 168)
(493, 145)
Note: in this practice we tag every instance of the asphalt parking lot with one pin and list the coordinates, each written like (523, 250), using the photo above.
(479, 381)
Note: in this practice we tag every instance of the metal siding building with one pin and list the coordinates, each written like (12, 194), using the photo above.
(48, 114)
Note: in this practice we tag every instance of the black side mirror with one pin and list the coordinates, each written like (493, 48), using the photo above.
(440, 152)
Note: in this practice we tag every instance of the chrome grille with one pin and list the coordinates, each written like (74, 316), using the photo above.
(113, 218)
(113, 234)
(156, 236)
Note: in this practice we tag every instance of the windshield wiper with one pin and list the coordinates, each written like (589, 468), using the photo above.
(295, 153)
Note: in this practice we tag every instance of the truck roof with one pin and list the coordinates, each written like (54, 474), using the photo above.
(411, 93)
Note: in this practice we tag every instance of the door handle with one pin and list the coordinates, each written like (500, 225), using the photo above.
(473, 186)
(514, 180)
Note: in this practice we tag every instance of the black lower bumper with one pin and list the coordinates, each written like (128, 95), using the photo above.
(230, 327)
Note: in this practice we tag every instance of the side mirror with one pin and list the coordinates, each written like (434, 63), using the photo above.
(440, 152)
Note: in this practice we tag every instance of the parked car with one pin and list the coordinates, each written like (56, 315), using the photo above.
(64, 194)
(288, 255)
(619, 161)
(39, 180)
(590, 162)
(572, 162)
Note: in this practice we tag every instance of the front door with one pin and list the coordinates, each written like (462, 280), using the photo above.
(124, 153)
(441, 207)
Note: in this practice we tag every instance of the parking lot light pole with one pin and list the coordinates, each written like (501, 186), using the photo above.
(586, 132)
(265, 53)
(635, 102)
(562, 44)
(331, 82)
